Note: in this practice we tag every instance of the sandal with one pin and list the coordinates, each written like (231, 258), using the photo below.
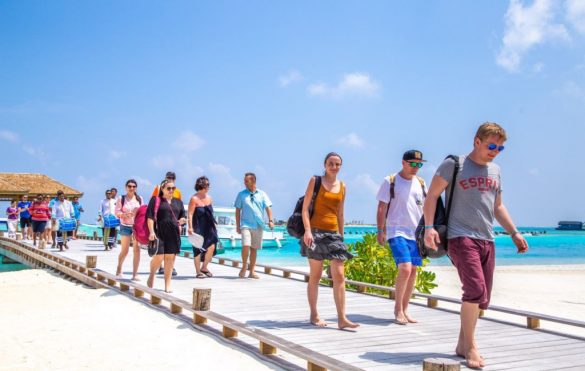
(200, 275)
(207, 273)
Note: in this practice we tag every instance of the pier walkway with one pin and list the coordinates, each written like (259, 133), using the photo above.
(276, 307)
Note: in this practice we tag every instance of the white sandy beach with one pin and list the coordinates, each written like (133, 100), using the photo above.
(48, 322)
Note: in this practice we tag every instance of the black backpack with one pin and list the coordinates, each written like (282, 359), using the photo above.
(440, 222)
(294, 225)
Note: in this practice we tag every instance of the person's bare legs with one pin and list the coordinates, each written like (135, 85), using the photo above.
(197, 263)
(404, 270)
(208, 257)
(316, 271)
(408, 294)
(253, 255)
(135, 259)
(154, 264)
(337, 272)
(245, 251)
(169, 264)
(125, 246)
(466, 346)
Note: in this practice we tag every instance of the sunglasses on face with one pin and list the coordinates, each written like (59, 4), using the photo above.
(493, 146)
(171, 188)
(416, 164)
(131, 186)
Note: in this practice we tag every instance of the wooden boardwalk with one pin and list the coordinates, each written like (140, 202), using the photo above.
(279, 307)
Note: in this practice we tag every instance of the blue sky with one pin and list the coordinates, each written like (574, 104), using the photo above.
(94, 93)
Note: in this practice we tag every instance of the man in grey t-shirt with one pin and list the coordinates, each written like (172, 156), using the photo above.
(477, 201)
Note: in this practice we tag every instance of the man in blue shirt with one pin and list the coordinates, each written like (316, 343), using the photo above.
(25, 219)
(250, 205)
(77, 209)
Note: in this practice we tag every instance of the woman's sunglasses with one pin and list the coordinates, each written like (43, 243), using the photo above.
(416, 164)
(493, 146)
(131, 186)
(171, 188)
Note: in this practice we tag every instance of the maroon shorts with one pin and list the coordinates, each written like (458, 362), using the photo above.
(475, 262)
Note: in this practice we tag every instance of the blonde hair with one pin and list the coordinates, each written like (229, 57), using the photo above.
(490, 128)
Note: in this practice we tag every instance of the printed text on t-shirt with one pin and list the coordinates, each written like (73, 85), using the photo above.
(482, 183)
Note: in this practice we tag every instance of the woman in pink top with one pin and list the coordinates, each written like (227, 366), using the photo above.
(40, 214)
(126, 208)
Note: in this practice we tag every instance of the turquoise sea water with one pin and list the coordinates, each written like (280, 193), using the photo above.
(552, 247)
(11, 267)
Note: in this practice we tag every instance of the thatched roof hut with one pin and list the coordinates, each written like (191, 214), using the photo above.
(14, 185)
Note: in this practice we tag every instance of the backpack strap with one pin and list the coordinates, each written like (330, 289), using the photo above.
(316, 189)
(123, 201)
(452, 183)
(392, 179)
(422, 184)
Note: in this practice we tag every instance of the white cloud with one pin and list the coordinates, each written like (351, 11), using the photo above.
(188, 141)
(143, 183)
(352, 84)
(366, 182)
(351, 140)
(576, 14)
(116, 155)
(9, 136)
(289, 78)
(527, 26)
(164, 162)
(222, 174)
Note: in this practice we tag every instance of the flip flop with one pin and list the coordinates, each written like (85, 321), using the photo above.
(207, 273)
(200, 275)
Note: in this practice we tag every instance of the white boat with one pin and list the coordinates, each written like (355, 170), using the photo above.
(230, 239)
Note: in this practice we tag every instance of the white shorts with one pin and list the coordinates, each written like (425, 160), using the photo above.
(252, 237)
(54, 225)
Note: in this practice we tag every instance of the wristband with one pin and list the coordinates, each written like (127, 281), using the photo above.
(429, 226)
(514, 233)
(381, 231)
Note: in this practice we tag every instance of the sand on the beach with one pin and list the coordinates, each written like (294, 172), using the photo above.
(47, 322)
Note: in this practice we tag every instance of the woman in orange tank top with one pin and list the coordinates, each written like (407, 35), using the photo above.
(323, 239)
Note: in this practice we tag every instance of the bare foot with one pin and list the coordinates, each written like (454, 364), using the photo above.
(345, 323)
(242, 273)
(400, 318)
(119, 272)
(410, 319)
(474, 359)
(254, 275)
(149, 281)
(168, 291)
(317, 321)
(459, 350)
(135, 278)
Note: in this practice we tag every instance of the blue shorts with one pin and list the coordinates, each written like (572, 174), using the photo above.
(405, 251)
(125, 230)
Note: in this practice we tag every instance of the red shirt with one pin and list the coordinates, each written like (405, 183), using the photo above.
(40, 211)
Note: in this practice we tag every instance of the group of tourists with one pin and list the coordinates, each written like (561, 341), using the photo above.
(473, 180)
(39, 219)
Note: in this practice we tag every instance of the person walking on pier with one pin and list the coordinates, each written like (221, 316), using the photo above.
(62, 209)
(250, 206)
(166, 215)
(40, 215)
(400, 202)
(171, 177)
(323, 239)
(203, 223)
(477, 201)
(78, 208)
(25, 220)
(12, 214)
(107, 207)
(126, 207)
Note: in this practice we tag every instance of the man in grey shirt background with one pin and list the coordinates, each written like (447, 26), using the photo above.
(477, 201)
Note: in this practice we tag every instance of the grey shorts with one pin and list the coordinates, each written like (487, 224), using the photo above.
(252, 237)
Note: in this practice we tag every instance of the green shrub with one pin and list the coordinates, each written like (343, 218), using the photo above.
(374, 263)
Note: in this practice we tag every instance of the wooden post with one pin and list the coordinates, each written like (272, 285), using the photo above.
(441, 364)
(221, 261)
(286, 274)
(187, 254)
(155, 299)
(95, 235)
(138, 293)
(391, 295)
(90, 273)
(91, 261)
(124, 287)
(267, 349)
(176, 309)
(199, 320)
(532, 323)
(361, 289)
(111, 282)
(481, 313)
(229, 333)
(307, 277)
(101, 277)
(201, 299)
(267, 270)
(235, 264)
(313, 367)
(432, 303)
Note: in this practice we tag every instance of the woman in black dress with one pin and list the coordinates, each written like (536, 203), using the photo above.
(165, 216)
(203, 223)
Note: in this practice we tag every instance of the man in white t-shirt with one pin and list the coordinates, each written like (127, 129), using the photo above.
(400, 207)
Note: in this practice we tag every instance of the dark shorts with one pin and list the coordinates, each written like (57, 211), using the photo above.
(475, 261)
(405, 251)
(25, 222)
(38, 226)
(125, 230)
